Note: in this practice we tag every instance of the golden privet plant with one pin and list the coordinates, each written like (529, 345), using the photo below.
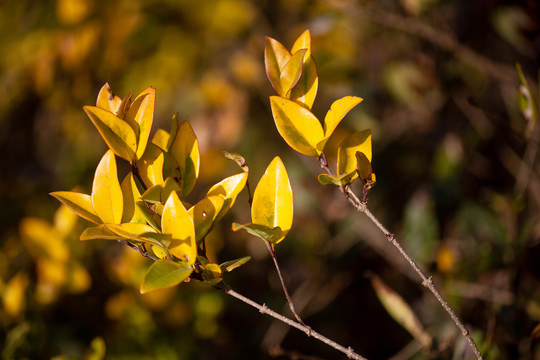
(147, 209)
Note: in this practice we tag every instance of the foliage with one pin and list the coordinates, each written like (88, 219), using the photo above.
(449, 149)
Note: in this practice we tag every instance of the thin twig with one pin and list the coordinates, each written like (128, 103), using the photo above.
(426, 281)
(139, 248)
(263, 309)
(285, 291)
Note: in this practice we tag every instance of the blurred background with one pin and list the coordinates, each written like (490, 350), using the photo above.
(456, 164)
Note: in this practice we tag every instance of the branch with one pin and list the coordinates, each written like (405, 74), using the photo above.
(263, 309)
(285, 291)
(426, 281)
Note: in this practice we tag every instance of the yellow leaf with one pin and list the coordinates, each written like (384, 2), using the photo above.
(80, 204)
(356, 142)
(13, 297)
(305, 89)
(133, 231)
(275, 58)
(141, 116)
(185, 150)
(364, 170)
(337, 112)
(79, 280)
(176, 221)
(228, 188)
(42, 240)
(106, 100)
(107, 199)
(118, 134)
(204, 214)
(161, 139)
(291, 72)
(297, 126)
(151, 165)
(131, 195)
(303, 42)
(273, 199)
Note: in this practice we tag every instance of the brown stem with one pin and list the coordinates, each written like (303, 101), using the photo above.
(426, 281)
(263, 309)
(285, 291)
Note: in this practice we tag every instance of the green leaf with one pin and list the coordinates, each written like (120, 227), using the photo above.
(204, 214)
(185, 150)
(337, 112)
(141, 116)
(107, 199)
(341, 180)
(526, 103)
(151, 165)
(80, 204)
(164, 274)
(297, 126)
(275, 58)
(291, 72)
(212, 273)
(272, 235)
(273, 199)
(228, 188)
(176, 221)
(230, 265)
(400, 311)
(118, 134)
(356, 142)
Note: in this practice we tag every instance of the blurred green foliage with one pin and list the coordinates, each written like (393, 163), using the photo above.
(449, 145)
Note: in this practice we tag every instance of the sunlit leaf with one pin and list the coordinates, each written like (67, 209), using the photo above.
(131, 195)
(204, 214)
(272, 235)
(106, 100)
(340, 180)
(117, 133)
(101, 232)
(400, 311)
(303, 42)
(305, 89)
(161, 139)
(185, 150)
(291, 72)
(158, 194)
(275, 58)
(80, 204)
(356, 142)
(159, 252)
(230, 265)
(141, 114)
(337, 112)
(163, 274)
(134, 231)
(297, 126)
(107, 199)
(228, 188)
(273, 199)
(151, 165)
(176, 221)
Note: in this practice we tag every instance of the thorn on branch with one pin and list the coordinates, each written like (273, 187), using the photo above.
(390, 237)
